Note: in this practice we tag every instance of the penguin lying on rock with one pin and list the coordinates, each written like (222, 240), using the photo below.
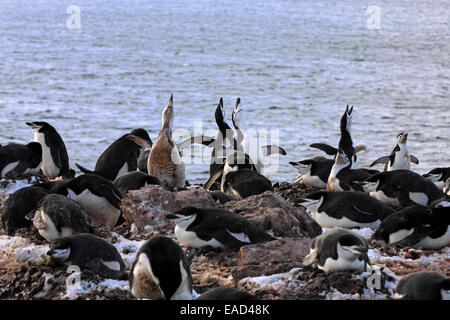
(216, 228)
(345, 209)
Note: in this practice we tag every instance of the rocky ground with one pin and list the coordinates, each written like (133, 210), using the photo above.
(271, 270)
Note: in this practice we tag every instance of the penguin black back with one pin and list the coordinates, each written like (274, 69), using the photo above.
(19, 205)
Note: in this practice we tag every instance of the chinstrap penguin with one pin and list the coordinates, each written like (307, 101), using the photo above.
(439, 176)
(423, 285)
(345, 209)
(345, 141)
(19, 208)
(314, 172)
(416, 226)
(240, 177)
(399, 159)
(160, 271)
(401, 188)
(97, 195)
(19, 159)
(57, 216)
(55, 161)
(215, 228)
(121, 156)
(134, 181)
(338, 250)
(89, 251)
(343, 178)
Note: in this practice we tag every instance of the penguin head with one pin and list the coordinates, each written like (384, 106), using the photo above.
(381, 234)
(402, 137)
(141, 133)
(167, 116)
(302, 166)
(59, 250)
(312, 201)
(346, 119)
(39, 126)
(184, 217)
(238, 115)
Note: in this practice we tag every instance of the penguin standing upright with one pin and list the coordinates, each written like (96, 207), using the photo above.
(338, 250)
(89, 251)
(215, 228)
(58, 216)
(18, 159)
(160, 271)
(164, 161)
(121, 156)
(345, 141)
(399, 159)
(55, 161)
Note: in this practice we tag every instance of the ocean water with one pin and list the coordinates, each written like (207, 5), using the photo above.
(295, 65)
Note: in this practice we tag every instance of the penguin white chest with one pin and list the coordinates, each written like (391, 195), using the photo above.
(98, 208)
(435, 243)
(313, 181)
(344, 261)
(48, 165)
(8, 168)
(145, 283)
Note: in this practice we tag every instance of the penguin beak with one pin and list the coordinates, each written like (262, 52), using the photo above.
(171, 216)
(32, 125)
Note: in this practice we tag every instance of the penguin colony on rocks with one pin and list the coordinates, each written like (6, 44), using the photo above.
(403, 208)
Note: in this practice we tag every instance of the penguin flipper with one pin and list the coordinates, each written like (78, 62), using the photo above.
(225, 237)
(112, 195)
(272, 149)
(204, 140)
(213, 178)
(325, 148)
(83, 169)
(98, 266)
(413, 159)
(382, 160)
